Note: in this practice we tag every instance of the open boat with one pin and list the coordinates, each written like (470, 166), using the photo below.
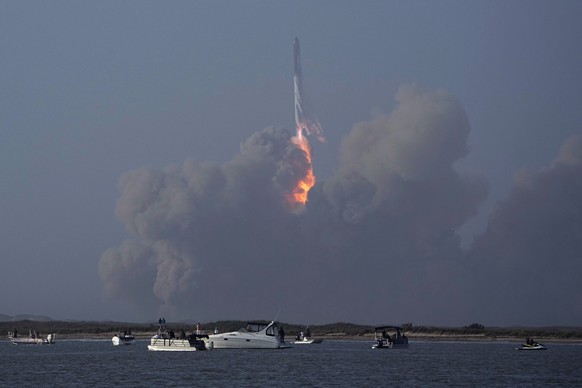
(256, 335)
(166, 340)
(383, 340)
(32, 339)
(308, 341)
(193, 342)
(304, 338)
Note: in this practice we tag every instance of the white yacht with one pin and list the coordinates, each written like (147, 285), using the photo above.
(256, 335)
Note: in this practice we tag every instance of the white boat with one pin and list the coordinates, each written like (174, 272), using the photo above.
(166, 341)
(32, 339)
(255, 336)
(304, 338)
(308, 341)
(125, 339)
(383, 340)
(192, 343)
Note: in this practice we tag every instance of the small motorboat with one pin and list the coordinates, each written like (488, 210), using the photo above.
(304, 338)
(308, 341)
(125, 339)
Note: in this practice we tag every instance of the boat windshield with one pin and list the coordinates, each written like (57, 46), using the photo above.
(254, 327)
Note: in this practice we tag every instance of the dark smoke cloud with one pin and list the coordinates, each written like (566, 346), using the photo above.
(376, 243)
(530, 257)
(213, 236)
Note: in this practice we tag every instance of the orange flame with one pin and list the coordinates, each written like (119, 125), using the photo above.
(299, 194)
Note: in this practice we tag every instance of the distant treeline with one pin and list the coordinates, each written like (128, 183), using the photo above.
(332, 329)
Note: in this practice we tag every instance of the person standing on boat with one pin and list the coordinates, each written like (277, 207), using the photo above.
(307, 333)
(282, 334)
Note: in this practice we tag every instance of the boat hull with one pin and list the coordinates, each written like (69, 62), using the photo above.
(242, 341)
(308, 341)
(27, 341)
(532, 347)
(393, 346)
(50, 339)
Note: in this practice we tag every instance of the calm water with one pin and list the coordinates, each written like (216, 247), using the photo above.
(332, 363)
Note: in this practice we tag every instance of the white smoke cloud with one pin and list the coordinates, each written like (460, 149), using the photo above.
(376, 243)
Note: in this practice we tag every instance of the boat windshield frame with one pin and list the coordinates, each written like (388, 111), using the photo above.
(379, 330)
(257, 327)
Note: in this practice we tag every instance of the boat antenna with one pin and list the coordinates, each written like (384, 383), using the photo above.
(278, 312)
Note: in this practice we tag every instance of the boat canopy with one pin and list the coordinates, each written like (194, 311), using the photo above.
(389, 327)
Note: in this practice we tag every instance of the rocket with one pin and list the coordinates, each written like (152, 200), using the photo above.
(297, 84)
(304, 120)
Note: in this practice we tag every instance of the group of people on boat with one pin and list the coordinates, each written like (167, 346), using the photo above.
(32, 334)
(396, 338)
(304, 335)
(530, 342)
(163, 331)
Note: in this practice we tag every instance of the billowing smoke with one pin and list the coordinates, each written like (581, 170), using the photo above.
(384, 224)
(529, 260)
(376, 242)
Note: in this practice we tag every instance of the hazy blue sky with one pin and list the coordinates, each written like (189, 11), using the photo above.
(144, 147)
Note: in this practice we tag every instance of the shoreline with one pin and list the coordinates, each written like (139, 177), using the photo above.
(340, 336)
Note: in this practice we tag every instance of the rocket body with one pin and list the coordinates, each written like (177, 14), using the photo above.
(297, 84)
(305, 122)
